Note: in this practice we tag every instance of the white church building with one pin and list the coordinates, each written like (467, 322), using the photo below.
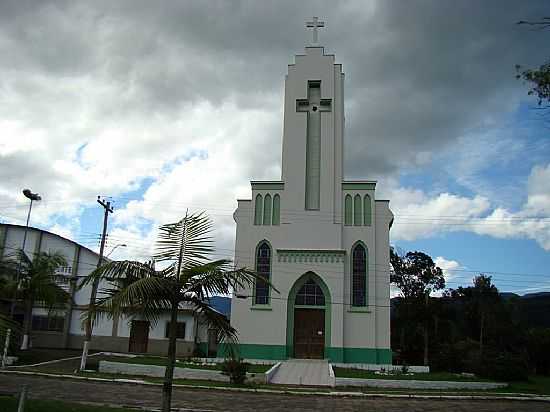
(322, 241)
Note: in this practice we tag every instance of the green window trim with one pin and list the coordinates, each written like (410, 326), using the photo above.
(276, 220)
(367, 210)
(357, 211)
(348, 204)
(358, 185)
(258, 209)
(256, 185)
(267, 210)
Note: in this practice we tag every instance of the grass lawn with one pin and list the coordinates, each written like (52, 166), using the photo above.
(8, 403)
(432, 376)
(536, 384)
(161, 361)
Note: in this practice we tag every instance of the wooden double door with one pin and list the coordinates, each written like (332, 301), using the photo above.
(139, 336)
(309, 333)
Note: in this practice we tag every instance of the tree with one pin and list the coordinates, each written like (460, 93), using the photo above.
(188, 277)
(417, 276)
(539, 79)
(481, 298)
(36, 283)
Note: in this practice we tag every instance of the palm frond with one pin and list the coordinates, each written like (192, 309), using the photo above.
(147, 296)
(187, 240)
(122, 269)
(220, 278)
(216, 320)
(8, 323)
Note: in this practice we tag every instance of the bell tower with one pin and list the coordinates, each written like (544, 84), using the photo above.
(312, 163)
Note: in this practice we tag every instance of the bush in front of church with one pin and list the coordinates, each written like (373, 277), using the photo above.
(464, 356)
(236, 370)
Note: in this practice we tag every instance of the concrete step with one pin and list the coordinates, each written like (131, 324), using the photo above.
(304, 372)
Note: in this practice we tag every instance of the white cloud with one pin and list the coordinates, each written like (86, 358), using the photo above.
(420, 216)
(447, 266)
(95, 98)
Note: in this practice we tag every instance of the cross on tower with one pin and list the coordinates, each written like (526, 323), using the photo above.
(315, 24)
(313, 106)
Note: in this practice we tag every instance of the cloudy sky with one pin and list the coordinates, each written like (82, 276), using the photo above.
(164, 106)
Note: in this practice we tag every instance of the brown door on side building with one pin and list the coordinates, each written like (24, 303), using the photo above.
(139, 336)
(309, 333)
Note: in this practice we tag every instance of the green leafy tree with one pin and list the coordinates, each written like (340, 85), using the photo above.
(36, 283)
(538, 79)
(538, 342)
(481, 298)
(188, 277)
(417, 276)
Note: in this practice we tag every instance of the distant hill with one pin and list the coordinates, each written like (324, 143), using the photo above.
(533, 308)
(509, 295)
(536, 295)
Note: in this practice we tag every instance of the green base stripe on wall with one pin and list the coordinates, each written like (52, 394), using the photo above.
(367, 355)
(202, 349)
(334, 354)
(255, 351)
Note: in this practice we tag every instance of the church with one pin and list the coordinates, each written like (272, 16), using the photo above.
(322, 241)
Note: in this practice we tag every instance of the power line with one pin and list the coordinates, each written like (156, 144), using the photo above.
(245, 254)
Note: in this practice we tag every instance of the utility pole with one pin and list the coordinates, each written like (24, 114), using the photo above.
(91, 307)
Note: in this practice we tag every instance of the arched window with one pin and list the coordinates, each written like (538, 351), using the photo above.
(357, 211)
(367, 211)
(258, 208)
(310, 294)
(267, 210)
(359, 276)
(276, 210)
(263, 268)
(348, 206)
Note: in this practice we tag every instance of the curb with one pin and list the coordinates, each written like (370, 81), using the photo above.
(524, 397)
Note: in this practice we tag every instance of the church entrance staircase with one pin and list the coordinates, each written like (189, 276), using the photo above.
(304, 372)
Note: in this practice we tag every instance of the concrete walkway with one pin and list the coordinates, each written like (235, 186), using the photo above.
(304, 372)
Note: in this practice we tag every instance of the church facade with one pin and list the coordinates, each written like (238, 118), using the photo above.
(322, 241)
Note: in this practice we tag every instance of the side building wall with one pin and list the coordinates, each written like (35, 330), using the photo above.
(68, 331)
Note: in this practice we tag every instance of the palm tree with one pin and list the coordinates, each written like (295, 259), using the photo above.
(35, 283)
(188, 277)
(10, 331)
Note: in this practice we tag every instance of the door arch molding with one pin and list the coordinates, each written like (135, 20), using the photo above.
(291, 303)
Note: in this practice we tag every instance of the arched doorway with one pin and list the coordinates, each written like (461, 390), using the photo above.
(308, 318)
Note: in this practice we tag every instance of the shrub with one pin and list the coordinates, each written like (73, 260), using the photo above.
(235, 369)
(503, 366)
(456, 357)
(538, 344)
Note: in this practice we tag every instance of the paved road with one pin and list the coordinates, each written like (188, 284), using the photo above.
(214, 400)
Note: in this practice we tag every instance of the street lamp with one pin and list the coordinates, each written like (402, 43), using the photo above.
(34, 197)
(113, 249)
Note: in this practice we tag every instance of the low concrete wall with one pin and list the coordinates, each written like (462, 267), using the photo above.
(417, 384)
(179, 373)
(271, 372)
(374, 367)
(46, 339)
(120, 344)
(158, 371)
(253, 361)
(331, 376)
